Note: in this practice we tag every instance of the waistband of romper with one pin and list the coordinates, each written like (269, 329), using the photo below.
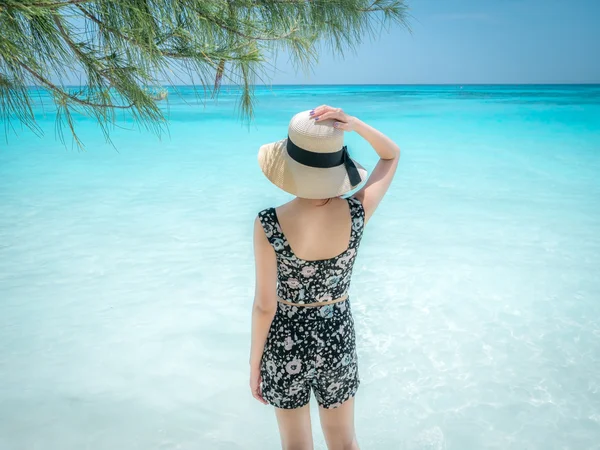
(330, 311)
(313, 304)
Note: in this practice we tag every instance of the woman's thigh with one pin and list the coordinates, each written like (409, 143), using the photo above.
(295, 428)
(338, 426)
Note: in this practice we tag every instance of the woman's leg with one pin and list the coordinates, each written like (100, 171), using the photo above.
(338, 426)
(294, 428)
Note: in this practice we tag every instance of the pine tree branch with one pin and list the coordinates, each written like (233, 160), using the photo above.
(239, 33)
(61, 92)
(57, 4)
(103, 26)
(165, 53)
(103, 73)
(126, 46)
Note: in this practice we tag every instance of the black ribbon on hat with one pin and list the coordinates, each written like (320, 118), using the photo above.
(325, 160)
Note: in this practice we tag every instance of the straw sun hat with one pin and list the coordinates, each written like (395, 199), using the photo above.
(312, 162)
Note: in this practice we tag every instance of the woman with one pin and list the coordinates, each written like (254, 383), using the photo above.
(302, 328)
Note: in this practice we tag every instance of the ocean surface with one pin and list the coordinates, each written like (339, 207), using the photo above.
(127, 277)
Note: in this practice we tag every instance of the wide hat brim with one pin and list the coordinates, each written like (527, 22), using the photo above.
(304, 181)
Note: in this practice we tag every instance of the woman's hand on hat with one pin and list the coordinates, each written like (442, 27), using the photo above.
(341, 120)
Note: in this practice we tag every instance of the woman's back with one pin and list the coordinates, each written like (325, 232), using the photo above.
(316, 231)
(328, 240)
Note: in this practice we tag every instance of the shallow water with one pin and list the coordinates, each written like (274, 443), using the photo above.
(126, 277)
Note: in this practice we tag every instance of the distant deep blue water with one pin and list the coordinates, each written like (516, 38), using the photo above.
(126, 276)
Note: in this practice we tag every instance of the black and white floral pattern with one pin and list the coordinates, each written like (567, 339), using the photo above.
(311, 347)
(304, 281)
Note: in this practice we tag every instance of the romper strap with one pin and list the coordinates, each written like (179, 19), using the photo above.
(272, 230)
(357, 213)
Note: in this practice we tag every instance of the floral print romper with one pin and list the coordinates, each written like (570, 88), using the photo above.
(311, 347)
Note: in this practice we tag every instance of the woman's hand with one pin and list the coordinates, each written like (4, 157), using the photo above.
(341, 120)
(255, 380)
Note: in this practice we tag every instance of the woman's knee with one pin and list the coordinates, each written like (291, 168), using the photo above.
(341, 443)
(303, 444)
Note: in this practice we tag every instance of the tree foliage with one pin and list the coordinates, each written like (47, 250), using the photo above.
(128, 50)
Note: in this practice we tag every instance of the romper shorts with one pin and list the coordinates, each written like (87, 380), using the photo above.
(310, 348)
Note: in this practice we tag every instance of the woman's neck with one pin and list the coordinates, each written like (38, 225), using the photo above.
(310, 201)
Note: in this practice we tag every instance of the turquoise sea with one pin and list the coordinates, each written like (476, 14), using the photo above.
(127, 278)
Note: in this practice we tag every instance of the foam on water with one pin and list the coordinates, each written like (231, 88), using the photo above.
(126, 278)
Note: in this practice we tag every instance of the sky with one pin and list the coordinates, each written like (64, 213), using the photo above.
(469, 41)
(464, 42)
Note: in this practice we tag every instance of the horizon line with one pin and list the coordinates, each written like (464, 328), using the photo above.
(414, 84)
(364, 84)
